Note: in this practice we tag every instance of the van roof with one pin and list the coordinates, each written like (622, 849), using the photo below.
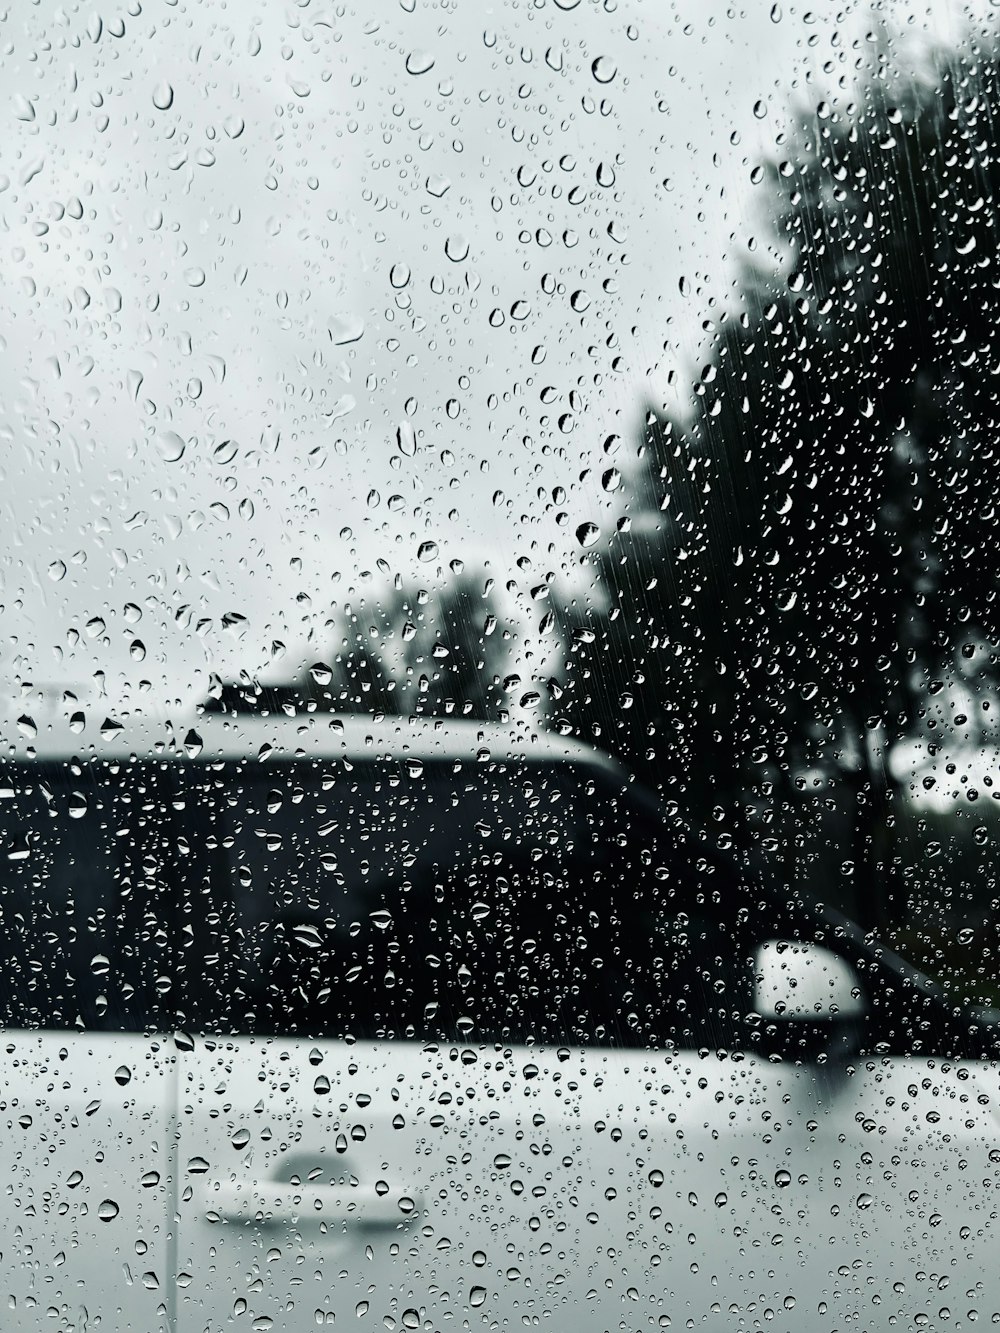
(278, 737)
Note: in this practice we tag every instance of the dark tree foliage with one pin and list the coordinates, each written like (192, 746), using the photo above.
(399, 652)
(820, 526)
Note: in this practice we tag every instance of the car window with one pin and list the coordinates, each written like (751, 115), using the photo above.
(492, 903)
(84, 923)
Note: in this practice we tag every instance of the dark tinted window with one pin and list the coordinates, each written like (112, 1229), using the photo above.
(494, 903)
(84, 929)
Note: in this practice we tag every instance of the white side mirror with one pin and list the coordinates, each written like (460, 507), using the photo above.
(804, 981)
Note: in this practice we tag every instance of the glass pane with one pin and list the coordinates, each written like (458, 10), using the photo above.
(500, 903)
(85, 935)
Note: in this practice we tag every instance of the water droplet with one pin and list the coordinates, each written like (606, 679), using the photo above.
(399, 276)
(501, 1161)
(456, 248)
(782, 1178)
(656, 1179)
(193, 745)
(406, 440)
(605, 175)
(57, 571)
(345, 329)
(194, 276)
(150, 1179)
(361, 1309)
(137, 650)
(197, 1166)
(23, 109)
(419, 62)
(27, 726)
(587, 534)
(108, 1210)
(77, 805)
(865, 1200)
(721, 1200)
(169, 446)
(477, 1296)
(163, 96)
(438, 186)
(604, 69)
(75, 1178)
(321, 1085)
(225, 452)
(612, 479)
(240, 1139)
(427, 551)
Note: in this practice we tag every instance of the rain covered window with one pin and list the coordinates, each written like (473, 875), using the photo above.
(500, 663)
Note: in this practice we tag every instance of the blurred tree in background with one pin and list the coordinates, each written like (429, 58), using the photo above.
(820, 524)
(443, 654)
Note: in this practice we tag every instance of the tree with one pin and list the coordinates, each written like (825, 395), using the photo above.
(399, 652)
(819, 523)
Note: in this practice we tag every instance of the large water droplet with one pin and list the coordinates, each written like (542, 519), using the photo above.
(587, 534)
(345, 329)
(169, 446)
(456, 248)
(419, 62)
(163, 96)
(108, 1210)
(604, 69)
(406, 440)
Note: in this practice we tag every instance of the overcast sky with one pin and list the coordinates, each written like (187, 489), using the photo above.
(293, 300)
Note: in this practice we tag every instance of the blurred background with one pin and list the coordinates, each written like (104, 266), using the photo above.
(623, 369)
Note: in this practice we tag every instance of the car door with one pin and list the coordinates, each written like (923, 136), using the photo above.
(86, 1109)
(428, 1089)
(501, 1068)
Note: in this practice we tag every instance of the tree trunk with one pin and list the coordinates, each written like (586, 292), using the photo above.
(879, 902)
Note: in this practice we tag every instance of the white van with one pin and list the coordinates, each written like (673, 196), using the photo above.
(423, 1024)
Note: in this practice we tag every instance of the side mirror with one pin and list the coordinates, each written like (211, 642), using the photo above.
(808, 1001)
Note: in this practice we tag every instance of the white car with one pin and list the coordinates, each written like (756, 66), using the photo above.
(315, 1021)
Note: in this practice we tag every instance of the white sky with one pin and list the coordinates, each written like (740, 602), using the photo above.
(249, 223)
